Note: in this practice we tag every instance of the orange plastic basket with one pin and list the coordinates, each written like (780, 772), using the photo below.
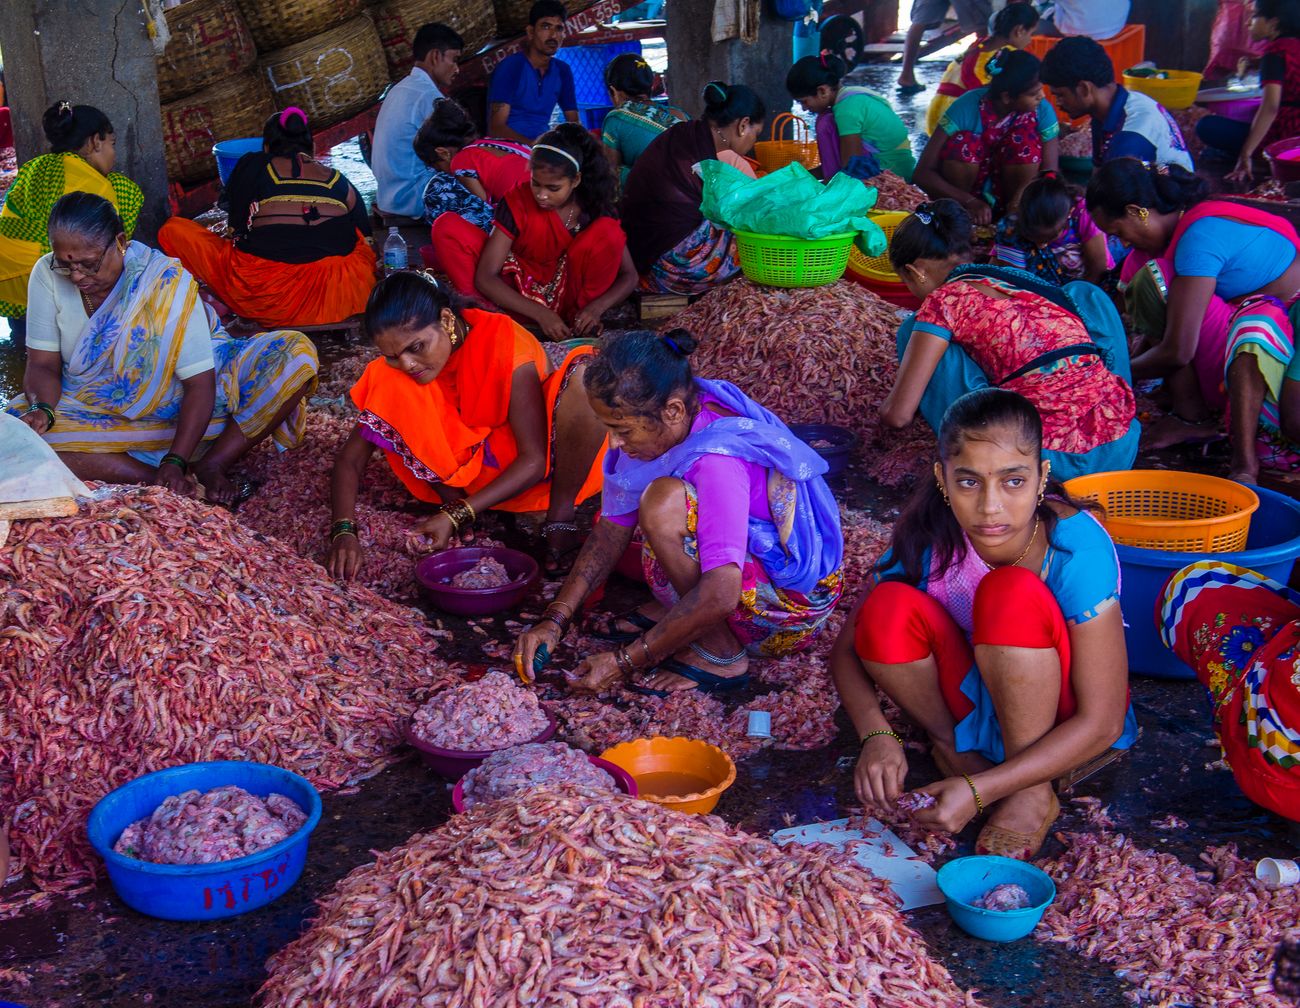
(801, 147)
(877, 269)
(1175, 511)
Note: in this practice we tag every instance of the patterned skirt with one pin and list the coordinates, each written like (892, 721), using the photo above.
(704, 258)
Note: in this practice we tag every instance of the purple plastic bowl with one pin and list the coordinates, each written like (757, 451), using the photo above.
(1239, 105)
(435, 570)
(456, 763)
(622, 778)
(1284, 159)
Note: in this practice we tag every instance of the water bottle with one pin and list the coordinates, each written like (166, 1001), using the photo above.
(394, 251)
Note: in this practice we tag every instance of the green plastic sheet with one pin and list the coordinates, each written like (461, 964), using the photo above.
(790, 202)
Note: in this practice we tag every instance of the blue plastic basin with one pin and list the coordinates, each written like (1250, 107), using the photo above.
(1271, 549)
(208, 891)
(965, 880)
(228, 153)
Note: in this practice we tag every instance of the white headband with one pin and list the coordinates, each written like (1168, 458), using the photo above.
(563, 153)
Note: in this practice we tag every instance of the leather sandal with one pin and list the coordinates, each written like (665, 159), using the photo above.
(1021, 846)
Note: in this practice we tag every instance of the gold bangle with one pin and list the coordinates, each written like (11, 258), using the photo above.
(979, 802)
(555, 602)
(881, 731)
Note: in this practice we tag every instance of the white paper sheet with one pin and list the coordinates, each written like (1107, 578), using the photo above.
(912, 881)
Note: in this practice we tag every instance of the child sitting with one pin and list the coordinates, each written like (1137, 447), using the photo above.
(1053, 236)
(469, 175)
(1012, 27)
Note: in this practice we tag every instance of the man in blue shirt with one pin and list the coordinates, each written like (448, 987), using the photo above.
(400, 175)
(528, 85)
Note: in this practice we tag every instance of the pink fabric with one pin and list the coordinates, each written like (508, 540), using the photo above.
(1088, 230)
(730, 491)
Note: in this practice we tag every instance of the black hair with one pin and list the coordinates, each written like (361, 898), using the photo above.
(725, 104)
(811, 72)
(927, 522)
(597, 192)
(408, 299)
(1126, 182)
(1045, 206)
(938, 230)
(638, 371)
(87, 216)
(448, 125)
(291, 138)
(435, 37)
(1287, 13)
(1012, 72)
(1077, 59)
(631, 74)
(67, 127)
(545, 9)
(1012, 16)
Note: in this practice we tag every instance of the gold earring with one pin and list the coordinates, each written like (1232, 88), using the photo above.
(943, 493)
(1144, 215)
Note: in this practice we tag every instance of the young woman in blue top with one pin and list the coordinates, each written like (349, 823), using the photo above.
(993, 623)
(993, 141)
(634, 120)
(1245, 256)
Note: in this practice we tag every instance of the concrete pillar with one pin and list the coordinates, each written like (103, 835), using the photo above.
(94, 52)
(1178, 34)
(694, 59)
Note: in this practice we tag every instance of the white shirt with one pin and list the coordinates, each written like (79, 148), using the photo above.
(399, 174)
(1098, 19)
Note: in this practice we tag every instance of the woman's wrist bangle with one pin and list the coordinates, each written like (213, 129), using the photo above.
(624, 662)
(558, 602)
(979, 802)
(45, 408)
(881, 731)
(171, 458)
(344, 526)
(560, 620)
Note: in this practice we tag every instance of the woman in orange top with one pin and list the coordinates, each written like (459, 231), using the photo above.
(469, 416)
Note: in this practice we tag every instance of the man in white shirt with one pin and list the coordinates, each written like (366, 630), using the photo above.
(399, 174)
(1098, 19)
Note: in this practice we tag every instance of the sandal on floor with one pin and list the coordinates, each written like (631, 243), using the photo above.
(907, 90)
(705, 681)
(638, 619)
(1021, 846)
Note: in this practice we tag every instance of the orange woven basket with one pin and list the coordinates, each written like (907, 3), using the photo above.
(774, 154)
(1175, 511)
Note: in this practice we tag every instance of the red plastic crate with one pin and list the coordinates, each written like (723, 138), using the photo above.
(1125, 50)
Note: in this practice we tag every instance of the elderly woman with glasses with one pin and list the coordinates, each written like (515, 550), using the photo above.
(132, 379)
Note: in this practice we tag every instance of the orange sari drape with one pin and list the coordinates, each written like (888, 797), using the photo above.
(456, 430)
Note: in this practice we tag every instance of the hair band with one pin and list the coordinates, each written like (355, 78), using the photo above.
(65, 107)
(924, 213)
(673, 346)
(562, 152)
(284, 116)
(994, 65)
(821, 58)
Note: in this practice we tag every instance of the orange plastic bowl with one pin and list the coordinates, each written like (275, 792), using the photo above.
(688, 775)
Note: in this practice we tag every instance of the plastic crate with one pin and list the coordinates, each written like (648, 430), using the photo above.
(1126, 49)
(588, 64)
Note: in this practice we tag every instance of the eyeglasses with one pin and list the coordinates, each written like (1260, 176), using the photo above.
(67, 269)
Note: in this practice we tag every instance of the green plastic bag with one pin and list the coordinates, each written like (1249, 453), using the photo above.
(790, 202)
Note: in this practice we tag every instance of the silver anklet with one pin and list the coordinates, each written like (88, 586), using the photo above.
(718, 660)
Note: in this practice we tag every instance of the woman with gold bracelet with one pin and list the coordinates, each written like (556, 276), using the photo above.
(993, 623)
(469, 416)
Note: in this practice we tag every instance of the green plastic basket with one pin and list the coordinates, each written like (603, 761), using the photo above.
(778, 261)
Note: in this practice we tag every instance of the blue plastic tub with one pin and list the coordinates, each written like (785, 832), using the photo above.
(1271, 549)
(228, 153)
(965, 880)
(208, 891)
(588, 64)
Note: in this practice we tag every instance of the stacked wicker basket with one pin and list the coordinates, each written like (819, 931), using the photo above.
(398, 21)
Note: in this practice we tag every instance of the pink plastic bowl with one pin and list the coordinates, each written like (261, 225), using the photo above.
(622, 778)
(434, 571)
(455, 763)
(1284, 158)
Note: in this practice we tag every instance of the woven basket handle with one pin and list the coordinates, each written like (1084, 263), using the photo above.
(796, 124)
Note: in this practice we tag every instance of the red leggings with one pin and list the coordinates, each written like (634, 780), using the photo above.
(1013, 608)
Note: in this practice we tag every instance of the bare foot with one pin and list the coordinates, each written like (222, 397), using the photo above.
(1172, 430)
(1024, 811)
(216, 485)
(1248, 476)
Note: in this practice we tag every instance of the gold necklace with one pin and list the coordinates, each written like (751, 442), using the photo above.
(1023, 553)
(85, 300)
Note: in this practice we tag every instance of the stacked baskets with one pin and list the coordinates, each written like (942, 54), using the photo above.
(511, 16)
(876, 273)
(399, 20)
(329, 76)
(235, 107)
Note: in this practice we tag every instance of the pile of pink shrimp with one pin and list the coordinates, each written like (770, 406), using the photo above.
(492, 713)
(218, 825)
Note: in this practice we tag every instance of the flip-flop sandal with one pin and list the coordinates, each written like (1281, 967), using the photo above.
(638, 619)
(705, 681)
(907, 90)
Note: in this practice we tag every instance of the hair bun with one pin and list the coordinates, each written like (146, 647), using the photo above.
(715, 93)
(679, 341)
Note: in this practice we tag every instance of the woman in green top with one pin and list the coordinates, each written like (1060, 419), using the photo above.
(635, 120)
(864, 121)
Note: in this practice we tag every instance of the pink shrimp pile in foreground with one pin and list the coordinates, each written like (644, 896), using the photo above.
(596, 900)
(1181, 936)
(492, 713)
(153, 630)
(205, 827)
(532, 765)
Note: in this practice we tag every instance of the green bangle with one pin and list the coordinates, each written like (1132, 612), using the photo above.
(344, 526)
(45, 408)
(171, 458)
(881, 731)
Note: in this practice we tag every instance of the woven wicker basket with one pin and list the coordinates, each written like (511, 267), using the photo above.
(399, 20)
(279, 23)
(512, 16)
(330, 76)
(236, 107)
(210, 41)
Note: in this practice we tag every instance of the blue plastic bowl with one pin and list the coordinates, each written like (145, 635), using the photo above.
(228, 153)
(207, 891)
(967, 879)
(1271, 549)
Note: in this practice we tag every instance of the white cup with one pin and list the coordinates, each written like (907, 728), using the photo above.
(1277, 873)
(760, 724)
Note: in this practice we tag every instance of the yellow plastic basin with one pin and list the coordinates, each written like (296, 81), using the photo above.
(688, 775)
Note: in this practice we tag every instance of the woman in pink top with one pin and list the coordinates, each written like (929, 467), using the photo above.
(742, 536)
